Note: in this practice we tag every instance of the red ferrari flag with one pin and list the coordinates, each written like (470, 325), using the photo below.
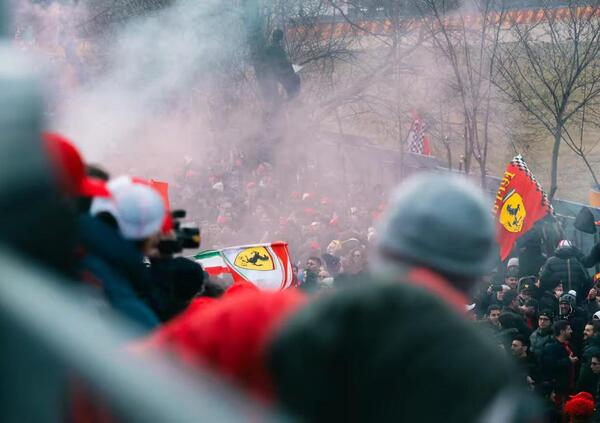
(520, 202)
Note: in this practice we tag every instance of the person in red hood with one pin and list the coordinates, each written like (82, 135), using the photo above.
(69, 169)
(76, 188)
(229, 335)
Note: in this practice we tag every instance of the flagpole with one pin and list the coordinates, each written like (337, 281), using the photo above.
(402, 146)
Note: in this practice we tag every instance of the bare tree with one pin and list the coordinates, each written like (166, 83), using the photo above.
(469, 43)
(549, 65)
(387, 33)
(576, 141)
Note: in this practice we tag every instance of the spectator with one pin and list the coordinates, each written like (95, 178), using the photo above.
(531, 258)
(549, 299)
(356, 262)
(580, 408)
(587, 380)
(526, 362)
(576, 318)
(558, 361)
(115, 255)
(595, 368)
(512, 278)
(492, 295)
(528, 306)
(310, 275)
(592, 302)
(512, 266)
(512, 316)
(492, 320)
(565, 267)
(542, 335)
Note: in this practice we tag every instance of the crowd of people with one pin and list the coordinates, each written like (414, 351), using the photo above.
(241, 200)
(546, 313)
(397, 313)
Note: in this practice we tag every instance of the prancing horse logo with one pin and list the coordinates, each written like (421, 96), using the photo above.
(255, 258)
(513, 212)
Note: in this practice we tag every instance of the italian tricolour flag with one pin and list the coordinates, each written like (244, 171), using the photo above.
(267, 266)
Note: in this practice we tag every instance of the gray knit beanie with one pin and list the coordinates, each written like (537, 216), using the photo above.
(442, 222)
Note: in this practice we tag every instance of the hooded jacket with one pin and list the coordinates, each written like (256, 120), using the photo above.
(384, 351)
(564, 267)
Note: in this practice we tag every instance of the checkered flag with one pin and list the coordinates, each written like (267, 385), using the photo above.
(520, 163)
(418, 142)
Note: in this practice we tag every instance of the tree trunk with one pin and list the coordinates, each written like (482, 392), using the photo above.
(554, 166)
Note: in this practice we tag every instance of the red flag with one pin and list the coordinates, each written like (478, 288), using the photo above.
(520, 202)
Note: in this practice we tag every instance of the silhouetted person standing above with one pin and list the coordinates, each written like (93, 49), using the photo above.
(277, 70)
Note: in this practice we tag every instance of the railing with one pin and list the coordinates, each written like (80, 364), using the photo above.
(50, 333)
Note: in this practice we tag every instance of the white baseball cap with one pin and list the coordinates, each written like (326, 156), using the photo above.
(596, 316)
(138, 209)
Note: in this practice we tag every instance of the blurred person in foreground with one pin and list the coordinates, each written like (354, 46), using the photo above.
(125, 229)
(383, 351)
(77, 188)
(439, 235)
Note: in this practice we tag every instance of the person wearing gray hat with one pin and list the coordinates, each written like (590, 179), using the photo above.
(441, 223)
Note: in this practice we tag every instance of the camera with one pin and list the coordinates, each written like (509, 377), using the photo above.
(496, 287)
(185, 236)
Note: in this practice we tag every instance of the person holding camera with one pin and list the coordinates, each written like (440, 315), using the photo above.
(175, 281)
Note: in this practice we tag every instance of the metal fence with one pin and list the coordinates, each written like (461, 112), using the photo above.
(49, 334)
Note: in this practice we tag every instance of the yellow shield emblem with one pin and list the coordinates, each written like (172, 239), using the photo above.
(513, 213)
(255, 258)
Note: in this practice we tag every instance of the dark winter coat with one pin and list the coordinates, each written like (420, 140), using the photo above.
(118, 268)
(528, 366)
(577, 320)
(531, 261)
(175, 281)
(538, 339)
(371, 353)
(531, 258)
(556, 367)
(564, 267)
(587, 380)
(593, 258)
(548, 301)
(590, 307)
(512, 319)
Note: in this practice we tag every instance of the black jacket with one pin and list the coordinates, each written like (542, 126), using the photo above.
(577, 320)
(587, 380)
(564, 266)
(371, 353)
(594, 256)
(116, 265)
(556, 367)
(511, 319)
(528, 366)
(531, 260)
